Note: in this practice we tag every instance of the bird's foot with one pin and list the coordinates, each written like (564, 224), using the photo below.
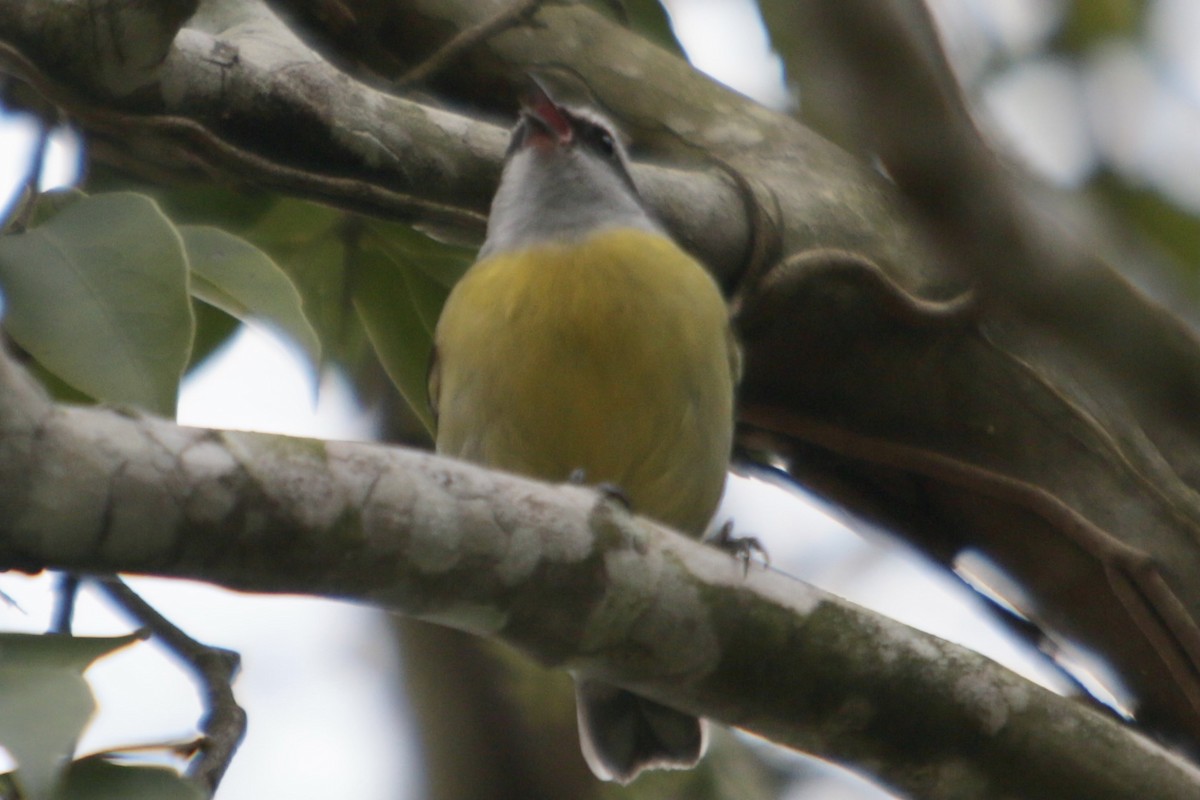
(614, 492)
(608, 490)
(742, 548)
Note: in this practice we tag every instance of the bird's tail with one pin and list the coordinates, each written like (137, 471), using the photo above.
(622, 734)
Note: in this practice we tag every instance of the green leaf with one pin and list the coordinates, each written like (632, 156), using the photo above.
(649, 18)
(403, 342)
(98, 778)
(57, 388)
(442, 263)
(50, 204)
(400, 282)
(235, 276)
(1088, 24)
(213, 329)
(308, 242)
(45, 702)
(427, 298)
(1174, 228)
(99, 295)
(229, 209)
(193, 203)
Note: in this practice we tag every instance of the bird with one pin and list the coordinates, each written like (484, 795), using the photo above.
(584, 341)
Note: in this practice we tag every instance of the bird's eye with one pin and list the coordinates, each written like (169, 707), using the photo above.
(605, 142)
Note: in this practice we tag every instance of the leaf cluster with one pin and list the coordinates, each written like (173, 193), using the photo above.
(45, 702)
(119, 295)
(116, 297)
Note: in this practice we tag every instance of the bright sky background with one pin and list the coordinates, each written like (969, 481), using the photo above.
(319, 677)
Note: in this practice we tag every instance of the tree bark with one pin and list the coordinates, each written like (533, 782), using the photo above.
(564, 574)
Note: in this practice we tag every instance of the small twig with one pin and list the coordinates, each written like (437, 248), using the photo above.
(64, 607)
(225, 724)
(464, 40)
(24, 198)
(37, 159)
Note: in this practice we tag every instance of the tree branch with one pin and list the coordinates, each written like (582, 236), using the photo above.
(559, 572)
(281, 118)
(224, 725)
(519, 12)
(1111, 357)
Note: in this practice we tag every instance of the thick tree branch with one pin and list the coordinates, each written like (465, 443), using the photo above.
(561, 573)
(250, 104)
(1122, 365)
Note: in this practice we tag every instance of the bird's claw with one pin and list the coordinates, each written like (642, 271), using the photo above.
(612, 491)
(607, 489)
(743, 548)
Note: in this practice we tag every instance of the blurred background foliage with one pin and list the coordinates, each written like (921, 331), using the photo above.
(1101, 98)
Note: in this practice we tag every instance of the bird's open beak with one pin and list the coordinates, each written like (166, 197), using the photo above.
(549, 121)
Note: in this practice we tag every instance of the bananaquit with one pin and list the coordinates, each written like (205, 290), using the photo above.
(585, 341)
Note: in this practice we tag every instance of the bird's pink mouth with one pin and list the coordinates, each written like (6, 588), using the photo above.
(551, 125)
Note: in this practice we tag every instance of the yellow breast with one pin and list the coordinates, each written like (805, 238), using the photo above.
(611, 355)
